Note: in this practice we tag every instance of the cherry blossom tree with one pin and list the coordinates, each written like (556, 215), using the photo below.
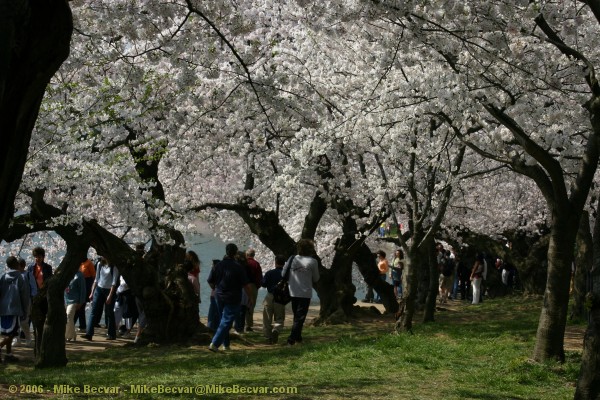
(528, 81)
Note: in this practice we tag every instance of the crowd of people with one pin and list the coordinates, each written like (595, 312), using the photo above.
(457, 281)
(235, 281)
(99, 287)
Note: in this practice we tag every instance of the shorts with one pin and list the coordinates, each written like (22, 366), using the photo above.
(9, 325)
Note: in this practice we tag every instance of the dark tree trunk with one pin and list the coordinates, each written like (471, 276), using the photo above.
(415, 262)
(533, 273)
(169, 302)
(584, 257)
(423, 277)
(588, 384)
(432, 289)
(409, 294)
(336, 290)
(50, 338)
(551, 328)
(367, 266)
(34, 41)
(170, 305)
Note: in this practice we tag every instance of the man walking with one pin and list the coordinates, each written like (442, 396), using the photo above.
(228, 278)
(273, 313)
(256, 276)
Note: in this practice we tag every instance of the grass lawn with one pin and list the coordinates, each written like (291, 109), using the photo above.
(470, 352)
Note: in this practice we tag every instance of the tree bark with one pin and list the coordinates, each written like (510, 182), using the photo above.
(367, 266)
(416, 261)
(433, 288)
(588, 384)
(50, 338)
(336, 290)
(409, 293)
(551, 328)
(170, 305)
(584, 257)
(34, 41)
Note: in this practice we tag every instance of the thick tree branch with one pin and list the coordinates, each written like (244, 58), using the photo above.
(552, 37)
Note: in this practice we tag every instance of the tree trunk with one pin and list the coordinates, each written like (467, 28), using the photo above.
(588, 384)
(367, 266)
(584, 257)
(409, 294)
(34, 41)
(433, 288)
(336, 290)
(533, 272)
(50, 341)
(551, 328)
(170, 305)
(416, 262)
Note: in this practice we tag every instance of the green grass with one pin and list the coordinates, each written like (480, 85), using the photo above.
(475, 352)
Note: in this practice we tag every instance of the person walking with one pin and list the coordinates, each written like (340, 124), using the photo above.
(75, 298)
(256, 276)
(103, 296)
(25, 333)
(88, 270)
(14, 305)
(273, 312)
(476, 277)
(383, 265)
(304, 273)
(228, 278)
(396, 274)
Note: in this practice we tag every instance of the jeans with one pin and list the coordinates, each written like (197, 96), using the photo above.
(229, 312)
(455, 287)
(98, 304)
(240, 321)
(80, 314)
(214, 317)
(300, 308)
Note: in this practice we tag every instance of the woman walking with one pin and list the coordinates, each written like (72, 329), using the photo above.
(304, 272)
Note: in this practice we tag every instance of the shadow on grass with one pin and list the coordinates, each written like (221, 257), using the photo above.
(361, 350)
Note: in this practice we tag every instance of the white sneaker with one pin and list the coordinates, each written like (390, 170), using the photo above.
(226, 348)
(15, 342)
(213, 348)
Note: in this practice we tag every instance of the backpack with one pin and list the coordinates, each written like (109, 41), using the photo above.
(13, 291)
(448, 268)
(281, 291)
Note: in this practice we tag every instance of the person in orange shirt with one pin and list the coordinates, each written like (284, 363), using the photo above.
(89, 274)
(383, 265)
